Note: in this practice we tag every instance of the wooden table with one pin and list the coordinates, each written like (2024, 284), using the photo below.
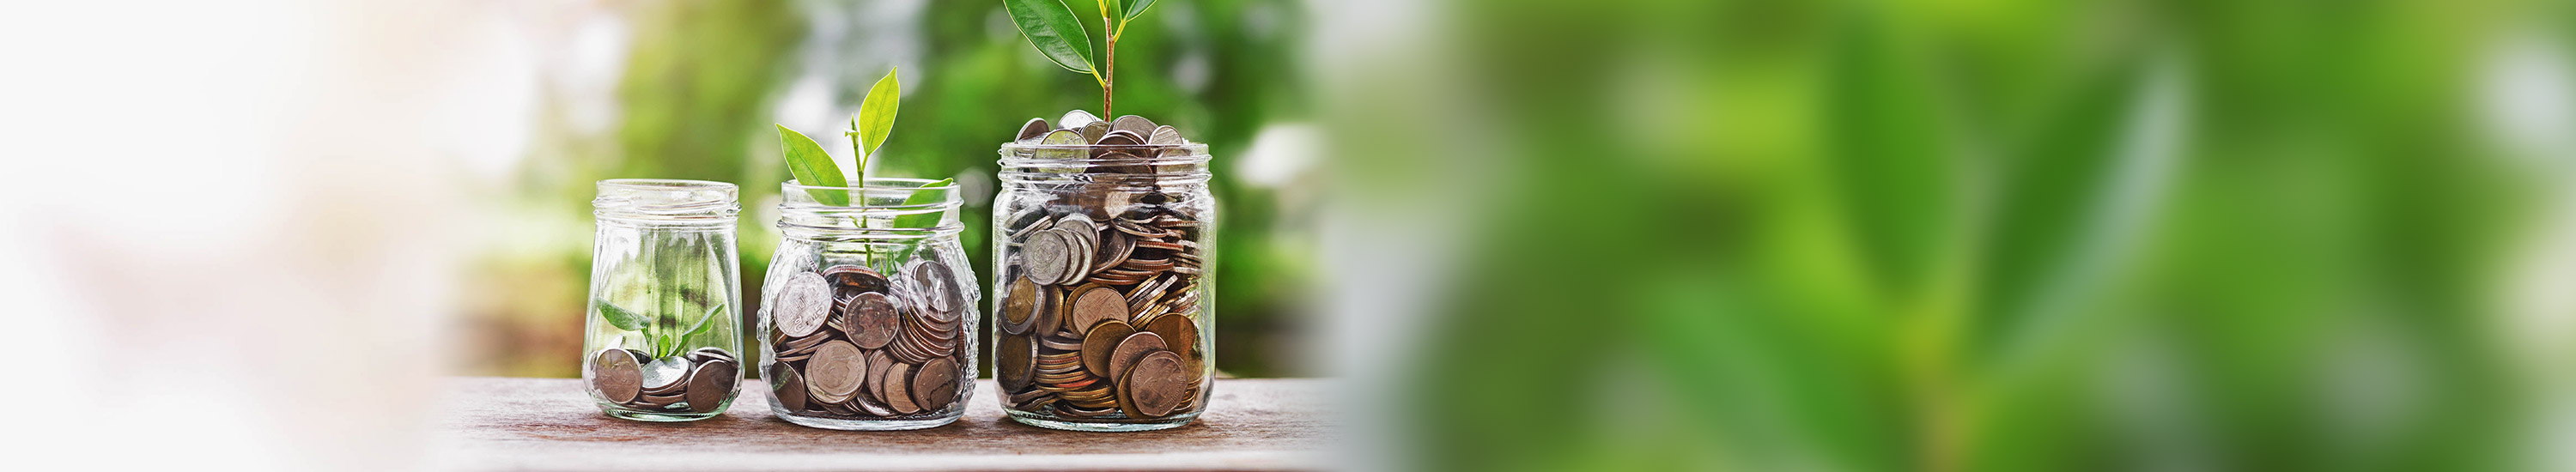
(549, 424)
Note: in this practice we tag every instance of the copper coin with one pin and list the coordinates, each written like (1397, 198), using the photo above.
(801, 304)
(855, 278)
(1158, 384)
(1118, 138)
(788, 386)
(712, 384)
(1096, 304)
(1014, 361)
(616, 375)
(1101, 342)
(878, 363)
(1135, 347)
(835, 372)
(898, 389)
(871, 320)
(938, 285)
(935, 386)
(1179, 333)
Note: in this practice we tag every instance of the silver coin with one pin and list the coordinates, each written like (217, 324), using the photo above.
(938, 284)
(1075, 119)
(1077, 256)
(1121, 138)
(1133, 123)
(1091, 133)
(1061, 138)
(665, 374)
(802, 304)
(1036, 128)
(1044, 257)
(616, 375)
(711, 383)
(1164, 136)
(835, 372)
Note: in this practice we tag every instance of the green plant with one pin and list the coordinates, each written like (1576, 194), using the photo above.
(868, 131)
(661, 334)
(1052, 27)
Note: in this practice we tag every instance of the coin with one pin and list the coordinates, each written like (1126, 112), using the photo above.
(935, 387)
(1179, 332)
(788, 386)
(938, 284)
(801, 304)
(855, 278)
(1100, 343)
(1037, 127)
(710, 353)
(1096, 304)
(616, 375)
(1076, 119)
(1134, 124)
(711, 384)
(834, 372)
(1020, 304)
(868, 405)
(871, 320)
(878, 363)
(1119, 138)
(1045, 256)
(1054, 141)
(1012, 359)
(898, 390)
(1113, 250)
(1131, 349)
(1164, 136)
(1158, 383)
(665, 374)
(1093, 131)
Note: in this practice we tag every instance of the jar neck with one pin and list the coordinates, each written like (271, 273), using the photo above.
(886, 209)
(666, 203)
(1148, 167)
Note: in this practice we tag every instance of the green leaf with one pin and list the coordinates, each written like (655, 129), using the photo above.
(619, 317)
(924, 220)
(1135, 11)
(876, 117)
(703, 322)
(1051, 27)
(811, 166)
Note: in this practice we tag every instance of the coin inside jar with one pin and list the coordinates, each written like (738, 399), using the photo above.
(1100, 343)
(938, 284)
(898, 389)
(1011, 363)
(835, 371)
(802, 304)
(1020, 303)
(1096, 304)
(1179, 332)
(871, 320)
(1135, 347)
(711, 384)
(788, 385)
(1158, 384)
(616, 375)
(935, 386)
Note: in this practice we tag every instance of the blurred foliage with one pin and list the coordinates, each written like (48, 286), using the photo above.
(1969, 235)
(704, 79)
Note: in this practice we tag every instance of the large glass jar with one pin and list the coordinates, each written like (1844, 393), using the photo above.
(662, 341)
(870, 308)
(1102, 291)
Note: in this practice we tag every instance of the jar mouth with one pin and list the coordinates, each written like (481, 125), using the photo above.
(667, 199)
(881, 193)
(1092, 155)
(882, 207)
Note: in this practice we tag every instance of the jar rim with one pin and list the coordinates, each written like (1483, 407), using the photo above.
(1025, 155)
(666, 199)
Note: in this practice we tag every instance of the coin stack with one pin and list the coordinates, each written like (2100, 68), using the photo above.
(1098, 316)
(697, 382)
(849, 343)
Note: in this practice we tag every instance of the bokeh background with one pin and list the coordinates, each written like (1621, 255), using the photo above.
(1858, 235)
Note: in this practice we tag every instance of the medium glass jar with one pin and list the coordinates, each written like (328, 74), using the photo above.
(867, 324)
(665, 303)
(1103, 285)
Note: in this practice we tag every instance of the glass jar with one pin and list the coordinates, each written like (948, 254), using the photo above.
(665, 301)
(1103, 287)
(868, 306)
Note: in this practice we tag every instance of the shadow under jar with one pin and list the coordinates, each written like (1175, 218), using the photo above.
(1104, 285)
(662, 337)
(869, 308)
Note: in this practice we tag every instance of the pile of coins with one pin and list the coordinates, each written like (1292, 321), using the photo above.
(850, 343)
(697, 382)
(1098, 313)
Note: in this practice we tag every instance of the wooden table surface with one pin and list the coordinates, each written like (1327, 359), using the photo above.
(549, 424)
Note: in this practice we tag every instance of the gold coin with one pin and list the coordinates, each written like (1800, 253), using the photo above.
(1103, 341)
(1014, 361)
(1180, 333)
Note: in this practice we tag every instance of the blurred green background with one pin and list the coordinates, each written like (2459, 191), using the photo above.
(1941, 235)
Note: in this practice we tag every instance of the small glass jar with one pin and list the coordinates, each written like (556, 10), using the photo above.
(1104, 285)
(665, 300)
(867, 324)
